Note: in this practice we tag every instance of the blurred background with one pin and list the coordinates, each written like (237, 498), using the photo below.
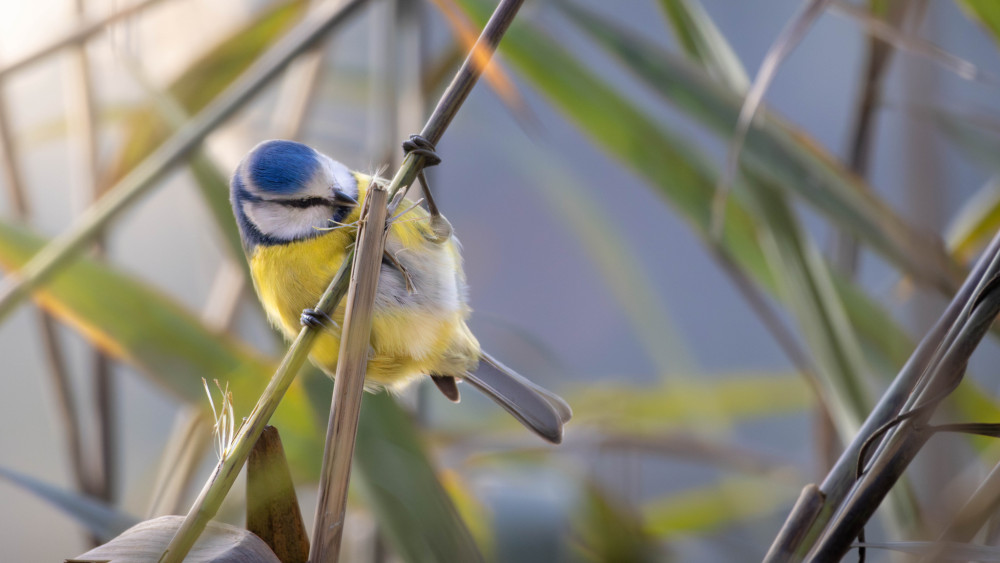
(711, 377)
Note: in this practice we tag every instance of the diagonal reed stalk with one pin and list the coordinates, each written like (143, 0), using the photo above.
(827, 518)
(18, 285)
(218, 485)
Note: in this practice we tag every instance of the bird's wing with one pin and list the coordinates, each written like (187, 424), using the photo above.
(539, 409)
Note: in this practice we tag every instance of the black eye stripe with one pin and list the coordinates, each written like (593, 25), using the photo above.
(305, 203)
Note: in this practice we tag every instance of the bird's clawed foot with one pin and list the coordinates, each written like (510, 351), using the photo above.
(315, 318)
(420, 146)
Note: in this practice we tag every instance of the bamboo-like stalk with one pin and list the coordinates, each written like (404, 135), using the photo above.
(76, 36)
(329, 520)
(904, 391)
(18, 285)
(387, 64)
(218, 485)
(349, 383)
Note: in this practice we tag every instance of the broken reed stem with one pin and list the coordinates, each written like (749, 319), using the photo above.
(349, 383)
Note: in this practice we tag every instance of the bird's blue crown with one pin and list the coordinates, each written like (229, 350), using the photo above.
(281, 167)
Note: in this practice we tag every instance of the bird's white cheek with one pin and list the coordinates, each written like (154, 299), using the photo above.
(286, 223)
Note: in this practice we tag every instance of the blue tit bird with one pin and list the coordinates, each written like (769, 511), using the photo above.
(296, 209)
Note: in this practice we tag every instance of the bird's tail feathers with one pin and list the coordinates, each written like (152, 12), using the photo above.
(539, 409)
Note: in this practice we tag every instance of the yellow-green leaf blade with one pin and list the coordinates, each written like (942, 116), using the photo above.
(147, 329)
(779, 152)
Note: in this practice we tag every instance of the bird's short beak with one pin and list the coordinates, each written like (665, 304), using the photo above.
(344, 200)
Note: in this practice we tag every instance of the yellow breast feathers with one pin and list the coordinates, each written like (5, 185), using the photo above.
(416, 330)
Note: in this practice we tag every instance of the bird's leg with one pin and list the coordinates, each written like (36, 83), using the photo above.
(318, 319)
(440, 227)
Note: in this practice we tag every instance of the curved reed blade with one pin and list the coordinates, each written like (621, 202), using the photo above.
(783, 45)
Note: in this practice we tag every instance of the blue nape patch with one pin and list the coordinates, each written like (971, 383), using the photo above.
(282, 166)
